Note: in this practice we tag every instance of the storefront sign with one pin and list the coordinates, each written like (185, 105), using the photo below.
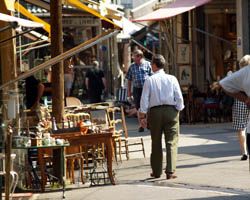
(81, 21)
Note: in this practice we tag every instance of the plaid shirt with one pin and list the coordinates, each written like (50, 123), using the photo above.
(138, 73)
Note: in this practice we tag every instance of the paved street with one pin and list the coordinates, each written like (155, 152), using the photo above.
(208, 167)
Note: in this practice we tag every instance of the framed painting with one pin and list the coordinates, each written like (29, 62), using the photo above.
(183, 53)
(185, 75)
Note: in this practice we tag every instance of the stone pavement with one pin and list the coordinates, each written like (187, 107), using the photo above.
(208, 167)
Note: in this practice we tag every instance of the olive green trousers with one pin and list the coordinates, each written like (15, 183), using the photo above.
(163, 120)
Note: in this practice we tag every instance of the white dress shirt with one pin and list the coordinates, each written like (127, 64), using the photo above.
(161, 89)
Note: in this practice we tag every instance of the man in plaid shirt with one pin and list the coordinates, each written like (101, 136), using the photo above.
(138, 71)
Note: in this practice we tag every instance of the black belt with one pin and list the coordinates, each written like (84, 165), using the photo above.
(138, 88)
(164, 105)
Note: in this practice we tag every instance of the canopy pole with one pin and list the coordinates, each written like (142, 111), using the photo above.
(57, 69)
(8, 72)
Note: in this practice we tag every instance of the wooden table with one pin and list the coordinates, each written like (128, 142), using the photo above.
(58, 157)
(105, 137)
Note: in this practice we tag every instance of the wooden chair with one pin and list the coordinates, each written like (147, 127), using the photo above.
(116, 118)
(73, 119)
(73, 154)
(73, 101)
(100, 106)
(211, 107)
(99, 120)
(114, 123)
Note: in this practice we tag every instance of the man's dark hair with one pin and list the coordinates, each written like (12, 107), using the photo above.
(159, 61)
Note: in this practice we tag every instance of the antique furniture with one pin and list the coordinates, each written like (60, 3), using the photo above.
(103, 137)
(116, 119)
(57, 161)
(13, 174)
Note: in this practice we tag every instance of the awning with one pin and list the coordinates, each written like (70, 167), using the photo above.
(171, 10)
(21, 22)
(127, 26)
(82, 6)
(26, 13)
(75, 3)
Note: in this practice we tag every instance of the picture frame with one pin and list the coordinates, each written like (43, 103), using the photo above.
(183, 53)
(185, 75)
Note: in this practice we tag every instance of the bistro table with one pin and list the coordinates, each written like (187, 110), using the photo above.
(105, 137)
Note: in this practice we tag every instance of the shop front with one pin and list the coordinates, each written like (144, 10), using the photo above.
(199, 40)
(221, 46)
(99, 37)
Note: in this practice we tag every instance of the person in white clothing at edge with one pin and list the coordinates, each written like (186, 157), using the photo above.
(240, 113)
(160, 104)
(240, 116)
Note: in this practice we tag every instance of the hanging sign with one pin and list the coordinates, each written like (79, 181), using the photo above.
(80, 21)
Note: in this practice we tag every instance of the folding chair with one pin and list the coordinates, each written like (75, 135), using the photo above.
(116, 116)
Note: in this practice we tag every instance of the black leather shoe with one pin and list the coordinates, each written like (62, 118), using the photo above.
(244, 157)
(153, 176)
(171, 176)
(141, 129)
